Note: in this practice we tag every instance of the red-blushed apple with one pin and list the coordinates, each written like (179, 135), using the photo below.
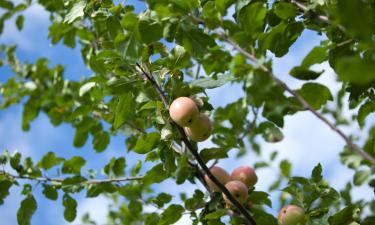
(291, 215)
(200, 130)
(220, 174)
(238, 190)
(245, 174)
(183, 111)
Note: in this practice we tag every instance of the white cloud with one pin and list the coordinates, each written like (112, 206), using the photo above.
(96, 207)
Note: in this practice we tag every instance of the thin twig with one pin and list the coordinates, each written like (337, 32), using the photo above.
(322, 18)
(61, 180)
(196, 155)
(302, 101)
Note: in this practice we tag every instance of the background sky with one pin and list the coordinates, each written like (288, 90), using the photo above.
(307, 141)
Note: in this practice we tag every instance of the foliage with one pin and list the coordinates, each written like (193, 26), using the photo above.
(184, 48)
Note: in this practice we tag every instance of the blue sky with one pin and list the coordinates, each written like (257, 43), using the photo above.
(307, 141)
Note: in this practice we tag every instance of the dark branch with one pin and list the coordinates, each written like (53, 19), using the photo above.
(196, 155)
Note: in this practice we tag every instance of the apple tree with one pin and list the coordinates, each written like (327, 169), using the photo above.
(142, 60)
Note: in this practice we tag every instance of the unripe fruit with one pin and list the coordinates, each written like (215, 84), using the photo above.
(245, 174)
(238, 190)
(183, 111)
(200, 130)
(220, 174)
(291, 215)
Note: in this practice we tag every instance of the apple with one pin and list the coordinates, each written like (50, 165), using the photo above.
(291, 215)
(220, 174)
(200, 129)
(238, 190)
(183, 111)
(245, 174)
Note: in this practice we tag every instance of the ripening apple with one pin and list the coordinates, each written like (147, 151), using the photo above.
(183, 111)
(220, 174)
(291, 215)
(238, 190)
(201, 128)
(245, 174)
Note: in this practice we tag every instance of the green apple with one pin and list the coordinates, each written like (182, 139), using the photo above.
(183, 111)
(220, 174)
(200, 129)
(291, 215)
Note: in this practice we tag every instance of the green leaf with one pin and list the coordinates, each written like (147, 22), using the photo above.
(252, 16)
(361, 177)
(208, 154)
(80, 137)
(270, 132)
(75, 12)
(315, 94)
(149, 29)
(281, 37)
(85, 88)
(317, 55)
(5, 185)
(119, 166)
(26, 210)
(285, 10)
(73, 165)
(19, 22)
(356, 70)
(316, 174)
(213, 82)
(171, 215)
(70, 208)
(285, 167)
(124, 109)
(260, 198)
(210, 15)
(187, 5)
(223, 5)
(162, 199)
(146, 143)
(351, 14)
(302, 73)
(155, 175)
(100, 141)
(217, 214)
(49, 160)
(344, 216)
(50, 192)
(364, 111)
(5, 4)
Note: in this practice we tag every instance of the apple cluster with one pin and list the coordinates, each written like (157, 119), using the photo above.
(238, 182)
(198, 127)
(184, 111)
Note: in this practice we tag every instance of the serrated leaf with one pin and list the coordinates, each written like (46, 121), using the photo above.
(285, 167)
(70, 208)
(124, 109)
(171, 215)
(208, 154)
(344, 216)
(316, 174)
(155, 175)
(356, 70)
(162, 199)
(315, 94)
(26, 210)
(75, 12)
(211, 82)
(146, 143)
(361, 177)
(364, 111)
(86, 88)
(73, 165)
(5, 185)
(49, 160)
(302, 73)
(285, 10)
(19, 22)
(50, 192)
(317, 55)
(217, 214)
(252, 16)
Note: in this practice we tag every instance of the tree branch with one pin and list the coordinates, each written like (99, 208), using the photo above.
(196, 155)
(302, 101)
(60, 180)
